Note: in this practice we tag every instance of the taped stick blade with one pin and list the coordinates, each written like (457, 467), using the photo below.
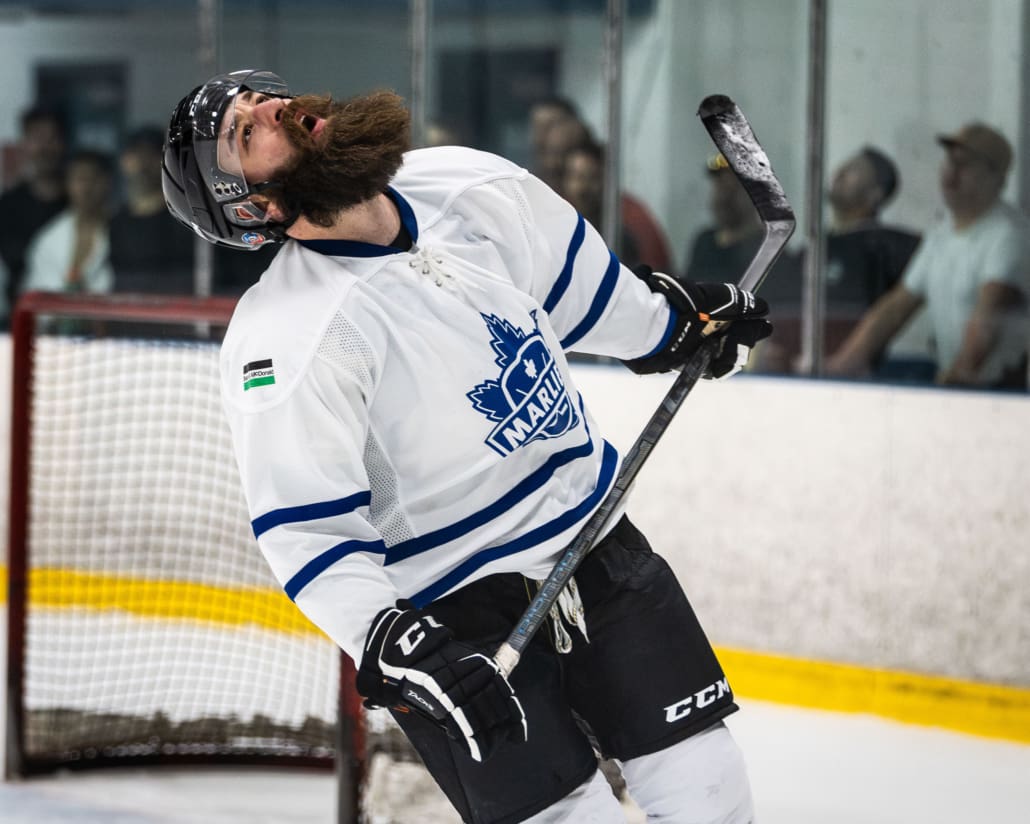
(732, 135)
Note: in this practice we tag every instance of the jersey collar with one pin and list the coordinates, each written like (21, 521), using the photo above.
(357, 248)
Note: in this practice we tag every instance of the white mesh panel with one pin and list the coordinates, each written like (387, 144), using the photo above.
(344, 347)
(384, 513)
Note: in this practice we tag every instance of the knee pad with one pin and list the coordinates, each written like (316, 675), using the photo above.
(700, 780)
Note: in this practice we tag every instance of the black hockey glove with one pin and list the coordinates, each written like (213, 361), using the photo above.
(695, 304)
(413, 662)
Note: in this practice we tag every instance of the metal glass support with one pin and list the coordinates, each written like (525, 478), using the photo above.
(209, 30)
(420, 11)
(813, 302)
(611, 219)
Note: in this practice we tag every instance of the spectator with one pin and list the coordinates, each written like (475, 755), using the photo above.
(556, 141)
(864, 259)
(641, 238)
(543, 114)
(970, 272)
(149, 252)
(70, 253)
(35, 200)
(723, 250)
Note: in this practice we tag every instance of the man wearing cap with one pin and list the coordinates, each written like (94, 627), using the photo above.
(970, 272)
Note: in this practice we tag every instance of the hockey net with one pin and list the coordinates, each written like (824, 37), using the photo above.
(144, 626)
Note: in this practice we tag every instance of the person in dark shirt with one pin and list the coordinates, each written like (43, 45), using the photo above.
(723, 250)
(35, 200)
(865, 258)
(149, 252)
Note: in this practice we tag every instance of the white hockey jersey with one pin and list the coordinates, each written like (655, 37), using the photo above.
(405, 421)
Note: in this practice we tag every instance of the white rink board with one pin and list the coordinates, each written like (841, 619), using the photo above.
(880, 526)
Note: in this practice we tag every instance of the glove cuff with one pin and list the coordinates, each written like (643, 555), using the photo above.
(686, 326)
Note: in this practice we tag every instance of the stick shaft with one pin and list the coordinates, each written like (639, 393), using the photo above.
(508, 653)
(733, 136)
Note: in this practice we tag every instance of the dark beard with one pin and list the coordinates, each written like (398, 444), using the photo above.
(352, 160)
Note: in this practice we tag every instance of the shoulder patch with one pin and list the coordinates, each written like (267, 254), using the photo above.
(258, 373)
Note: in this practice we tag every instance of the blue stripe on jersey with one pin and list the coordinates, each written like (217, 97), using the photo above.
(532, 538)
(673, 315)
(357, 248)
(565, 276)
(309, 512)
(597, 307)
(319, 564)
(518, 493)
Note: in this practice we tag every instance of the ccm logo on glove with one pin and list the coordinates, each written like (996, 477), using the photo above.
(414, 635)
(411, 661)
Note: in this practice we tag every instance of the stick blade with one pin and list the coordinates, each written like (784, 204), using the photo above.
(732, 135)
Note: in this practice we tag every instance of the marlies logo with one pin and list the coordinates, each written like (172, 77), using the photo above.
(258, 373)
(528, 400)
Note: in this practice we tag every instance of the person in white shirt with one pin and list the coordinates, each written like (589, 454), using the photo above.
(415, 454)
(972, 272)
(70, 253)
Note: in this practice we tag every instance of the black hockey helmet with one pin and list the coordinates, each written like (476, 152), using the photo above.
(204, 188)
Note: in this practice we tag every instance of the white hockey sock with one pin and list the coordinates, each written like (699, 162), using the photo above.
(592, 802)
(701, 780)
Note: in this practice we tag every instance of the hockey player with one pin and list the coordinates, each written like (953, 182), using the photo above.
(415, 454)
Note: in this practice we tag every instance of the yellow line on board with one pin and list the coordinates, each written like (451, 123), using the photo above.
(154, 598)
(989, 710)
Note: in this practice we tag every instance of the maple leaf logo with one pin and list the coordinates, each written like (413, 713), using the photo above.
(527, 400)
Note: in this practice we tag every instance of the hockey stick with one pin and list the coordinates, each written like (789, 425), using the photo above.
(732, 135)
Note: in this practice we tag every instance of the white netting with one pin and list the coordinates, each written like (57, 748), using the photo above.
(153, 622)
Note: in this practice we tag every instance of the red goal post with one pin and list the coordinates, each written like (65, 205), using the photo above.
(144, 627)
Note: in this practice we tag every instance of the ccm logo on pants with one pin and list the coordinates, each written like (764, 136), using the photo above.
(681, 709)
